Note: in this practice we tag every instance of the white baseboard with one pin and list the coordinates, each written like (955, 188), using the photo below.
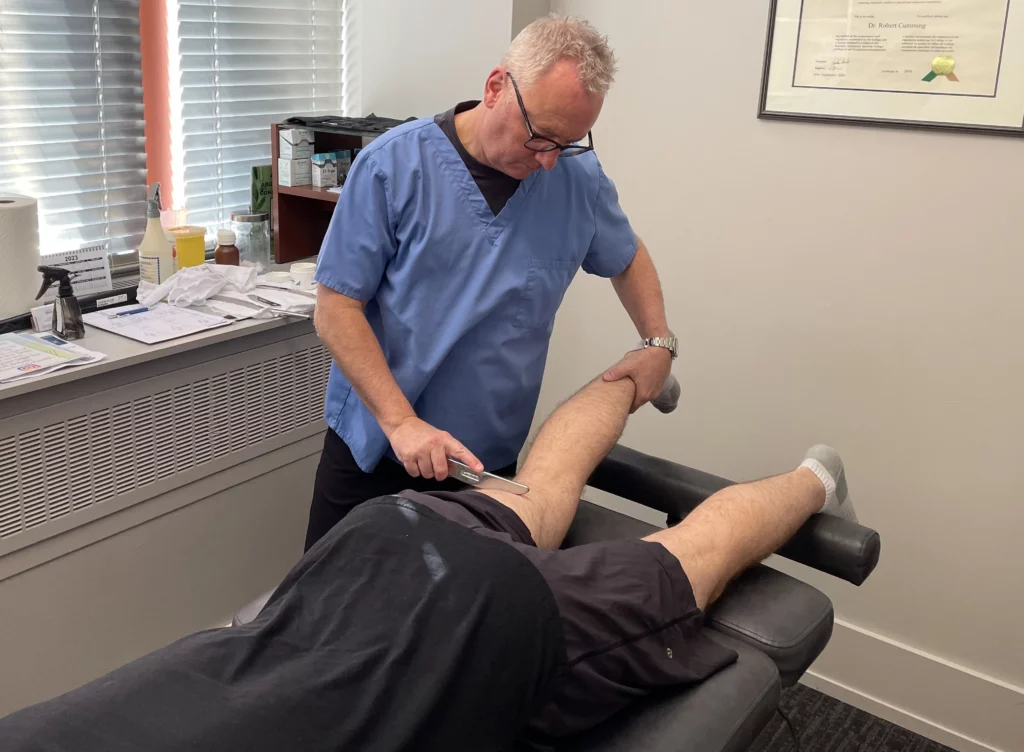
(951, 704)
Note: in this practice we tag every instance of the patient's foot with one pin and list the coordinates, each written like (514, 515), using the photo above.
(825, 462)
(668, 400)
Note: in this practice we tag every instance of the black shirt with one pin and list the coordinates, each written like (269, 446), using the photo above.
(495, 185)
(400, 631)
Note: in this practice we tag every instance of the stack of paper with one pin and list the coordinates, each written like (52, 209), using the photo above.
(29, 354)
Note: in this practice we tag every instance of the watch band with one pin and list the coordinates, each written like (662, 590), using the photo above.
(669, 343)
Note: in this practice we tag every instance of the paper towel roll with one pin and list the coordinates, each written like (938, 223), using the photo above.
(19, 254)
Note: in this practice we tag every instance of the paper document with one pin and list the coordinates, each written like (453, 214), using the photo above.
(159, 323)
(29, 354)
(938, 47)
(288, 298)
(236, 305)
(89, 267)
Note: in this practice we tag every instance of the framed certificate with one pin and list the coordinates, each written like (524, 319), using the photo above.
(920, 63)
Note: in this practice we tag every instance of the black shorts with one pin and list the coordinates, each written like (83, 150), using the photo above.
(341, 485)
(399, 630)
(629, 617)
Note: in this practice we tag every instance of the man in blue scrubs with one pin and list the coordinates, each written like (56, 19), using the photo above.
(447, 257)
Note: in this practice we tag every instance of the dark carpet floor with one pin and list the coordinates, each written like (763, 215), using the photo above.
(824, 724)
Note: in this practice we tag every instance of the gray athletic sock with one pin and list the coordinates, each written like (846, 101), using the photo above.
(668, 400)
(825, 462)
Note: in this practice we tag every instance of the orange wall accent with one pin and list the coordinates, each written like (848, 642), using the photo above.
(156, 94)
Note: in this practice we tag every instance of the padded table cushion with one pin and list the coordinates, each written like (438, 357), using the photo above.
(723, 714)
(788, 620)
(594, 523)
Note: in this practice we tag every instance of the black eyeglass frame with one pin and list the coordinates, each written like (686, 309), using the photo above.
(565, 150)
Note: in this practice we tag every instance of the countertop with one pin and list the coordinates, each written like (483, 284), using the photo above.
(122, 352)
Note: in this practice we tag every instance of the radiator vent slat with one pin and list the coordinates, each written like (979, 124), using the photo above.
(50, 473)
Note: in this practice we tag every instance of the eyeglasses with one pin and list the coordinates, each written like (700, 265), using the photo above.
(539, 143)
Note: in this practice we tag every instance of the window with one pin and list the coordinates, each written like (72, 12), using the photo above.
(242, 65)
(72, 133)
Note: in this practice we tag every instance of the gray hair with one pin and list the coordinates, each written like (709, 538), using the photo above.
(547, 40)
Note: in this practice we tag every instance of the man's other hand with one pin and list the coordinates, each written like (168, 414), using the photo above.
(424, 450)
(649, 368)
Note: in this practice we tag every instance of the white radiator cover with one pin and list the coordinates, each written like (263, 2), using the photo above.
(115, 445)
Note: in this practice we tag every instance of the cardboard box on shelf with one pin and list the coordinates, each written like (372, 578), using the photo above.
(293, 172)
(343, 158)
(296, 143)
(325, 170)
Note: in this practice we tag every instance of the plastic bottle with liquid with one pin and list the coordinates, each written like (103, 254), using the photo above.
(157, 260)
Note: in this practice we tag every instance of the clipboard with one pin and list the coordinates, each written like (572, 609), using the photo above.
(159, 323)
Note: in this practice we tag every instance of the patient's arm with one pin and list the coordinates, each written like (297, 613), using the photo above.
(571, 442)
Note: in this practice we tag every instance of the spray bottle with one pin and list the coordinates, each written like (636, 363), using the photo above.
(157, 261)
(67, 314)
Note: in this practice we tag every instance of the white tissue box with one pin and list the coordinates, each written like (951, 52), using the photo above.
(296, 143)
(42, 318)
(293, 172)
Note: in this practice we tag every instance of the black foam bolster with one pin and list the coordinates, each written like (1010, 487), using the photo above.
(836, 546)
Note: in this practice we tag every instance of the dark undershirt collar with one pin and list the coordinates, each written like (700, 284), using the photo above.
(497, 187)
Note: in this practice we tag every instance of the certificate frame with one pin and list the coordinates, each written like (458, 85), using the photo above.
(781, 98)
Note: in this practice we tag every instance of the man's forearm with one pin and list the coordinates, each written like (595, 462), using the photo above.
(639, 290)
(354, 347)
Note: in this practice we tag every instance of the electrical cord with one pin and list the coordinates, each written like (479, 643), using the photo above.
(792, 729)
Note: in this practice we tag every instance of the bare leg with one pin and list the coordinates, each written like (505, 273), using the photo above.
(738, 527)
(571, 442)
(730, 531)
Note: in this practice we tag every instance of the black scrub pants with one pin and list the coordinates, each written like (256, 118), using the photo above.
(341, 485)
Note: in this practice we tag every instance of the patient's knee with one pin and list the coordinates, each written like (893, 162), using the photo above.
(700, 562)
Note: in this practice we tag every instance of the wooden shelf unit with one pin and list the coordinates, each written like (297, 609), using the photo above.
(320, 194)
(300, 215)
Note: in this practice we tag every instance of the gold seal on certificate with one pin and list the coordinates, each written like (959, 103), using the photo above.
(941, 63)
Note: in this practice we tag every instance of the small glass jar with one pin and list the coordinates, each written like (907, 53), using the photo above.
(252, 236)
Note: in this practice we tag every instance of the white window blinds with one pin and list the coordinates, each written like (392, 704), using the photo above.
(245, 64)
(72, 133)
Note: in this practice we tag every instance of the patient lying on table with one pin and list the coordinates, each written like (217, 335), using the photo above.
(451, 621)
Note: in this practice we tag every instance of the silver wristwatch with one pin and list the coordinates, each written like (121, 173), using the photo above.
(669, 343)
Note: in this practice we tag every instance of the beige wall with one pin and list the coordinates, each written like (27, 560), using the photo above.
(857, 286)
(415, 59)
(525, 11)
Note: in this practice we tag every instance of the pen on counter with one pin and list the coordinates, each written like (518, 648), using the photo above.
(114, 315)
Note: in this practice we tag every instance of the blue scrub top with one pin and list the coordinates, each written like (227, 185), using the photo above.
(463, 302)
